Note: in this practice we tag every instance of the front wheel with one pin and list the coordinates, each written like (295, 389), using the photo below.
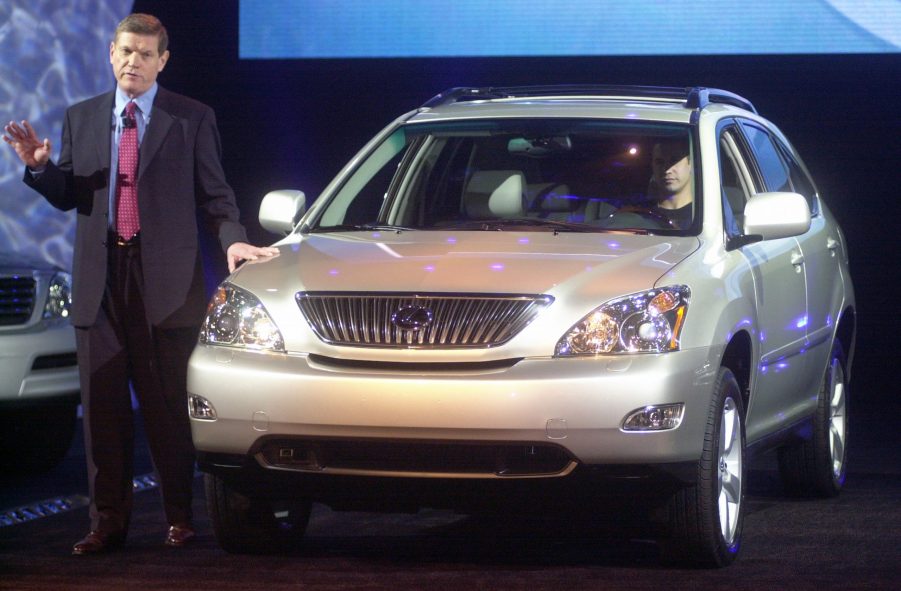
(246, 524)
(816, 467)
(35, 438)
(706, 517)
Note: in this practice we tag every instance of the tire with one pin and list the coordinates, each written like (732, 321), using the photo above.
(817, 466)
(35, 438)
(245, 524)
(706, 518)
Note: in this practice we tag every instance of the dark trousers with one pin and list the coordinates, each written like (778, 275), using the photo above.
(118, 349)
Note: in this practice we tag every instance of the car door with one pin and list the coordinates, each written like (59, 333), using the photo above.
(822, 250)
(780, 290)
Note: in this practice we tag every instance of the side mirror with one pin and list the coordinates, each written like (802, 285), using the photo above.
(280, 210)
(776, 215)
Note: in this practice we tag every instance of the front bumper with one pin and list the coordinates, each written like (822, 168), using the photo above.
(38, 364)
(576, 405)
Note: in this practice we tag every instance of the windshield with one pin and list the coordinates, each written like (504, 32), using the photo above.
(550, 174)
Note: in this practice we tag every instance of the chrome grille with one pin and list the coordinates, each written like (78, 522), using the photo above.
(438, 321)
(16, 299)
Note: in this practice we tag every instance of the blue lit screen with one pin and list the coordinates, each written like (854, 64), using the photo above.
(301, 29)
(54, 54)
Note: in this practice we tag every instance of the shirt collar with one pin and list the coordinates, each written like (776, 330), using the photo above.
(144, 102)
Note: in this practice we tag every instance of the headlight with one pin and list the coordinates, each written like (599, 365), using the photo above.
(235, 318)
(59, 297)
(647, 322)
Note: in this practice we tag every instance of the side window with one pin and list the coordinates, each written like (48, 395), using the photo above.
(440, 177)
(801, 183)
(361, 197)
(770, 163)
(734, 180)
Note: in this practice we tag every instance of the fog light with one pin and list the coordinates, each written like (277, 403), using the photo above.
(200, 408)
(654, 418)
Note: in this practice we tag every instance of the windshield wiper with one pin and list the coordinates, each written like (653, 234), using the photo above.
(556, 225)
(560, 226)
(651, 231)
(362, 228)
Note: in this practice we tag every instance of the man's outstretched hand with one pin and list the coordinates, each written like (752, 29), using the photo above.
(241, 251)
(32, 151)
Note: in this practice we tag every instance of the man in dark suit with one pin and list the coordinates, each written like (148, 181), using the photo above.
(140, 165)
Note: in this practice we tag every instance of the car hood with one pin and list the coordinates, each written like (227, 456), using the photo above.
(588, 264)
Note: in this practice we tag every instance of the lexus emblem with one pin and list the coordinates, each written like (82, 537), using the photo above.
(412, 318)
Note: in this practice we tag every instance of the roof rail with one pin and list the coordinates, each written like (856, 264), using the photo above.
(699, 97)
(694, 97)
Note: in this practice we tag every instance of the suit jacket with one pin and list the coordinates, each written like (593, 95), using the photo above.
(180, 182)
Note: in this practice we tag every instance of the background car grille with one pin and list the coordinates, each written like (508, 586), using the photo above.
(16, 299)
(471, 320)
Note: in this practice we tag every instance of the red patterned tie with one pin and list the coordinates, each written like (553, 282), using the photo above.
(127, 223)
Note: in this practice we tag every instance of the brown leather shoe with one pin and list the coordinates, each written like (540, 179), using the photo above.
(97, 542)
(179, 534)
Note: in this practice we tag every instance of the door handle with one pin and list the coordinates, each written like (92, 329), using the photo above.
(832, 245)
(797, 259)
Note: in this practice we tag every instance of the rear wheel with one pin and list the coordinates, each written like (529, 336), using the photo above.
(816, 467)
(706, 517)
(246, 524)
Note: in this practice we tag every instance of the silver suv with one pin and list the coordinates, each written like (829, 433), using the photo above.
(38, 369)
(562, 296)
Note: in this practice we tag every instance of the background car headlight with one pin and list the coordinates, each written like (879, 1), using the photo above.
(59, 297)
(235, 318)
(647, 322)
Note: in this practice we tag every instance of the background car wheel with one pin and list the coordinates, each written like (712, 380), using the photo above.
(249, 525)
(706, 518)
(816, 467)
(36, 438)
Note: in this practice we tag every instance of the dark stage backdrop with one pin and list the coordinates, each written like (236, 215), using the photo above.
(295, 123)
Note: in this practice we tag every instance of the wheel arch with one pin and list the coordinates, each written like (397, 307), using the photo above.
(737, 357)
(846, 334)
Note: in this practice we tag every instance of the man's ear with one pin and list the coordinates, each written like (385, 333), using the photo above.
(163, 59)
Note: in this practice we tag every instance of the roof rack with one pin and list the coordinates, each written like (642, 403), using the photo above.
(694, 97)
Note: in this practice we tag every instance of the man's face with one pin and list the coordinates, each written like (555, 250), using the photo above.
(672, 168)
(136, 62)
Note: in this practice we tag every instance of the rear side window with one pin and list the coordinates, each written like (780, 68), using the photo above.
(770, 164)
(801, 183)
